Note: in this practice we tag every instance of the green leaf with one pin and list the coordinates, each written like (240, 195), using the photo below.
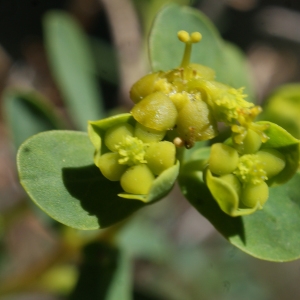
(106, 61)
(166, 51)
(71, 62)
(104, 274)
(121, 286)
(162, 184)
(283, 108)
(235, 72)
(28, 113)
(56, 169)
(272, 233)
(148, 10)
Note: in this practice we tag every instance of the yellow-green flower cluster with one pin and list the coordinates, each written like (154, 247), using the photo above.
(244, 172)
(189, 101)
(135, 155)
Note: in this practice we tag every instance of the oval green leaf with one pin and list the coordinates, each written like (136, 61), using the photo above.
(28, 113)
(57, 171)
(72, 65)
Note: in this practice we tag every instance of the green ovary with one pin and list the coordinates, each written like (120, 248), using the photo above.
(137, 180)
(160, 156)
(253, 193)
(273, 160)
(131, 151)
(251, 143)
(148, 135)
(195, 123)
(250, 169)
(115, 134)
(156, 111)
(144, 87)
(223, 159)
(109, 166)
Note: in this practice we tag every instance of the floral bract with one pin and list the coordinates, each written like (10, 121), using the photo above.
(129, 153)
(239, 177)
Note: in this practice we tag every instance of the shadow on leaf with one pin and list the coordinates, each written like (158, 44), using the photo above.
(200, 197)
(97, 195)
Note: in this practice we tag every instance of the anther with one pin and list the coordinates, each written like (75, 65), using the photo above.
(183, 36)
(196, 37)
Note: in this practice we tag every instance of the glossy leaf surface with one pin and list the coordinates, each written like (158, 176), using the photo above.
(56, 169)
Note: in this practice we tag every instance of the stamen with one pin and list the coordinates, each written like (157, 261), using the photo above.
(188, 39)
(250, 170)
(132, 151)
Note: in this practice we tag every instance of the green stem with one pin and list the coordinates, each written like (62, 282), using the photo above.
(187, 55)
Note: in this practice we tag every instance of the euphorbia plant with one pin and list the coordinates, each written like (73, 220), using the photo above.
(135, 158)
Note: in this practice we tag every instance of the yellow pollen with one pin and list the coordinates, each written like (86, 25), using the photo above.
(250, 170)
(183, 36)
(196, 37)
(132, 151)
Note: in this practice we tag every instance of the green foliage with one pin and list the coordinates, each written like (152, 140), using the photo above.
(66, 184)
(32, 112)
(71, 60)
(287, 96)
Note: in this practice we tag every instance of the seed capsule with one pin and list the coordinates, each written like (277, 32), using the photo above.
(144, 87)
(137, 180)
(253, 193)
(148, 135)
(273, 161)
(251, 143)
(115, 134)
(160, 156)
(156, 111)
(223, 159)
(109, 166)
(195, 123)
